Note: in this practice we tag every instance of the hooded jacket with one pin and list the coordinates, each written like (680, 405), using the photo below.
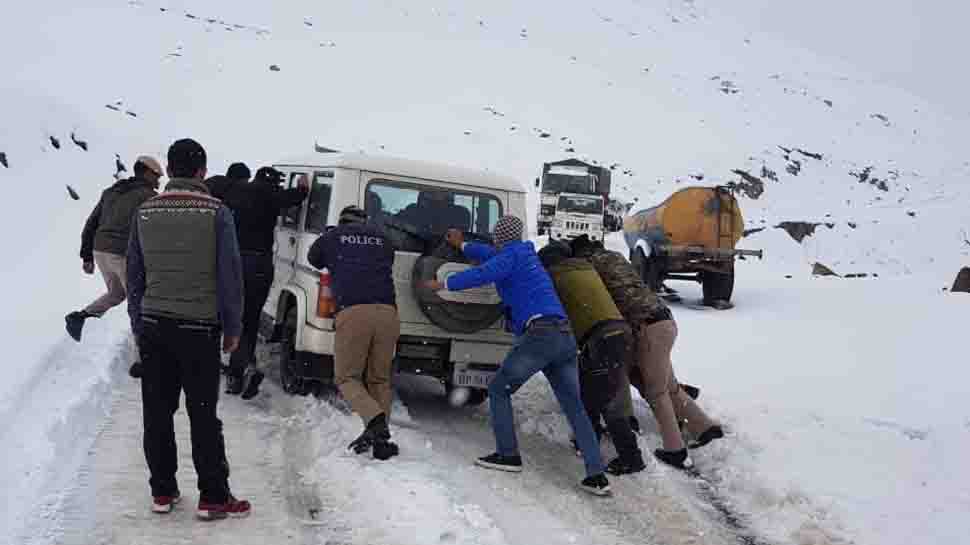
(519, 277)
(109, 225)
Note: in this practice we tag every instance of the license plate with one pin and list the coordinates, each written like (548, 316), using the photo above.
(473, 378)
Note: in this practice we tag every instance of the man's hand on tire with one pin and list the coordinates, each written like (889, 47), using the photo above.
(230, 344)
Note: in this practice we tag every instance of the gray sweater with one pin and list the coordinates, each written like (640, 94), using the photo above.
(183, 260)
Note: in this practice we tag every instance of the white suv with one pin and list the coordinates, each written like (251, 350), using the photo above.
(457, 337)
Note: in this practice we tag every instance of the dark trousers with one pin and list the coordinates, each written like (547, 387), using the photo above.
(604, 385)
(177, 356)
(257, 279)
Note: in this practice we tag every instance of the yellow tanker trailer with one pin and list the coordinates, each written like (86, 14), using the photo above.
(690, 236)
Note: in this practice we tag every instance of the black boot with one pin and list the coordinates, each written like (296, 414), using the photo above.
(234, 384)
(676, 458)
(251, 381)
(630, 459)
(710, 434)
(384, 448)
(74, 323)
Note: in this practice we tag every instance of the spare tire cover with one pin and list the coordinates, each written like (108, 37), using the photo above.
(451, 316)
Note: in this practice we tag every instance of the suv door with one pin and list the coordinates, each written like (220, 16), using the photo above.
(318, 217)
(287, 234)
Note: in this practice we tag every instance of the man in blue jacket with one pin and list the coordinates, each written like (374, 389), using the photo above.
(544, 342)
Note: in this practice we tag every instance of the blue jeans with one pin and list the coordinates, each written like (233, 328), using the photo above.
(547, 346)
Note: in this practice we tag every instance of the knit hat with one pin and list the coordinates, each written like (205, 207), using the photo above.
(238, 171)
(151, 164)
(186, 157)
(352, 214)
(507, 229)
(554, 253)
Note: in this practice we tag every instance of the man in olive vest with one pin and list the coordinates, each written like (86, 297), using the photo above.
(605, 343)
(185, 284)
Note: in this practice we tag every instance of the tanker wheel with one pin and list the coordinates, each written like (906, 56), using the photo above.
(717, 286)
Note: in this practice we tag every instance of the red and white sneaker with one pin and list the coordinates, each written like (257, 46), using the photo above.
(232, 508)
(165, 504)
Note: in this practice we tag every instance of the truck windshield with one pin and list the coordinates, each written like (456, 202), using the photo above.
(580, 205)
(568, 183)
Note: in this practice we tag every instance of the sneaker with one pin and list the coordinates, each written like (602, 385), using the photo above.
(512, 464)
(251, 381)
(234, 384)
(385, 450)
(676, 458)
(135, 370)
(710, 434)
(74, 322)
(618, 466)
(596, 485)
(165, 504)
(231, 508)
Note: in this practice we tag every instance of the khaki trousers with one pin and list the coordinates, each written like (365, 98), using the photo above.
(114, 270)
(364, 355)
(658, 385)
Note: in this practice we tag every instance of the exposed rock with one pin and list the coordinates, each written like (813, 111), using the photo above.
(55, 142)
(769, 174)
(72, 193)
(881, 117)
(794, 167)
(828, 103)
(119, 166)
(750, 185)
(544, 135)
(798, 230)
(962, 282)
(3, 160)
(816, 156)
(749, 232)
(79, 143)
(274, 68)
(911, 214)
(852, 224)
(821, 270)
(865, 177)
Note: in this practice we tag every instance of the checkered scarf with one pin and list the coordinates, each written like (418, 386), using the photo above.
(507, 229)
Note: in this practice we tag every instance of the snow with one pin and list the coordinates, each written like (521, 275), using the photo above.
(845, 399)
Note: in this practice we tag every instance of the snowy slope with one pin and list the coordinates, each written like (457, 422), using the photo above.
(663, 90)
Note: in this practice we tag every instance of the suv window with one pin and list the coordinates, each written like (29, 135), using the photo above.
(319, 201)
(291, 217)
(431, 210)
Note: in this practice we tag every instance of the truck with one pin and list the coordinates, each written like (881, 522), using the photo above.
(689, 236)
(576, 177)
(576, 215)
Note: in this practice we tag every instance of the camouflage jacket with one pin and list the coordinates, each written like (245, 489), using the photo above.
(637, 302)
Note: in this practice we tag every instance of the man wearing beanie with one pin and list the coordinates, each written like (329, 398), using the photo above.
(186, 288)
(361, 260)
(255, 207)
(104, 240)
(544, 343)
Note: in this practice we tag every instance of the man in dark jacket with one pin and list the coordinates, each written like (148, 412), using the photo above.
(186, 288)
(255, 207)
(361, 259)
(544, 342)
(655, 332)
(605, 345)
(104, 240)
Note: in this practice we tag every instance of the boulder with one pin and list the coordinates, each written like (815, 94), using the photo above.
(821, 270)
(962, 282)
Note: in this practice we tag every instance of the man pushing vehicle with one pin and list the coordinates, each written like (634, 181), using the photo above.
(544, 342)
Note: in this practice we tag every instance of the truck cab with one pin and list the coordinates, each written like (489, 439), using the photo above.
(459, 338)
(578, 215)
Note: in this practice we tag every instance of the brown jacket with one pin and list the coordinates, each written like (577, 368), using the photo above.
(637, 302)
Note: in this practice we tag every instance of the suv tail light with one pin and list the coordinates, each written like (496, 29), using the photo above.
(326, 303)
